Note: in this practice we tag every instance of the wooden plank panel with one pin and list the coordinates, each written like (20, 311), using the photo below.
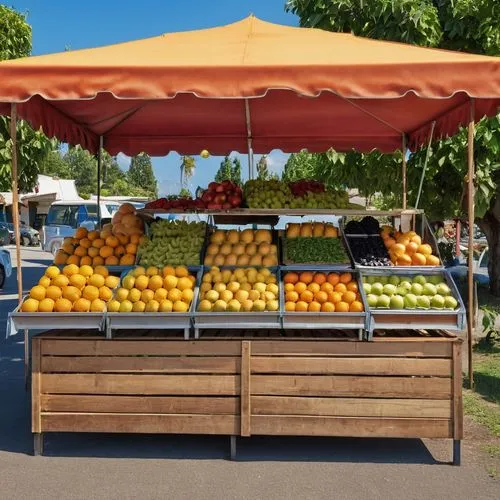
(355, 386)
(164, 364)
(422, 348)
(348, 365)
(35, 385)
(60, 383)
(245, 409)
(351, 426)
(351, 407)
(117, 347)
(139, 404)
(458, 417)
(145, 423)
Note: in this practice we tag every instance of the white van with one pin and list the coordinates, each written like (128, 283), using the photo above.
(65, 216)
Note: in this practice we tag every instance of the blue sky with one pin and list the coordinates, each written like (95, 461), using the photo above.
(58, 24)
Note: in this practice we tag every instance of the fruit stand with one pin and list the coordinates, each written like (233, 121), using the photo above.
(217, 331)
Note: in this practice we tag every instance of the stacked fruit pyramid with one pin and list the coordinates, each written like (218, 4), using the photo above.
(166, 290)
(241, 248)
(407, 292)
(407, 249)
(238, 290)
(74, 289)
(309, 291)
(116, 244)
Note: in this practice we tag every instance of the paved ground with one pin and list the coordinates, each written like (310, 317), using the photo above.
(95, 466)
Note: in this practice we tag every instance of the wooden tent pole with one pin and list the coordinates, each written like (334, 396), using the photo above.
(403, 149)
(470, 203)
(251, 172)
(17, 231)
(99, 167)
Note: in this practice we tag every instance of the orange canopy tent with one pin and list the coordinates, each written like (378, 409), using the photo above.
(184, 91)
(249, 86)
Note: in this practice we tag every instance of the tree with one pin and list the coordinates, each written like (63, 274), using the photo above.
(263, 171)
(468, 25)
(141, 174)
(15, 41)
(236, 172)
(188, 166)
(225, 171)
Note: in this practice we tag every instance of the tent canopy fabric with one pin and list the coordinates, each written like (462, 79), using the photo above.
(288, 88)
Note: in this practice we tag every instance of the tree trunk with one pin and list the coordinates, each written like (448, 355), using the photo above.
(490, 225)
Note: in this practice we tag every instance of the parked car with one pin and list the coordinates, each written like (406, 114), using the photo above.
(65, 216)
(5, 266)
(4, 235)
(480, 269)
(29, 236)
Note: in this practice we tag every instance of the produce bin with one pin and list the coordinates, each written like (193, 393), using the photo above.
(323, 320)
(418, 318)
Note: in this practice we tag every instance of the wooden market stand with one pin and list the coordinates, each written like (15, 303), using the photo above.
(244, 87)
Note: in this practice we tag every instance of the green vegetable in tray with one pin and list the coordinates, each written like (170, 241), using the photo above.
(322, 250)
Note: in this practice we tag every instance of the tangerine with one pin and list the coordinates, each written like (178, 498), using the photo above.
(432, 260)
(90, 292)
(345, 278)
(52, 272)
(341, 307)
(319, 278)
(300, 287)
(321, 297)
(301, 306)
(96, 280)
(313, 287)
(292, 296)
(71, 293)
(67, 248)
(46, 305)
(111, 261)
(106, 252)
(333, 278)
(81, 305)
(60, 280)
(112, 241)
(86, 270)
(291, 278)
(85, 243)
(418, 259)
(97, 305)
(112, 281)
(81, 233)
(289, 306)
(93, 252)
(334, 297)
(93, 235)
(307, 296)
(97, 261)
(86, 261)
(340, 287)
(352, 286)
(38, 292)
(120, 251)
(63, 305)
(349, 297)
(314, 307)
(181, 271)
(44, 281)
(131, 249)
(98, 243)
(306, 277)
(327, 307)
(70, 269)
(356, 306)
(61, 258)
(78, 280)
(53, 292)
(30, 305)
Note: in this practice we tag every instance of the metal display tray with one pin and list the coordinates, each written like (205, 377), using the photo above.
(155, 320)
(322, 320)
(433, 319)
(422, 228)
(236, 320)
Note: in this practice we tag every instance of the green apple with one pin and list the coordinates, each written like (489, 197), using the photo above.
(401, 290)
(417, 289)
(397, 302)
(377, 289)
(435, 279)
(371, 279)
(367, 287)
(429, 289)
(443, 289)
(419, 279)
(383, 301)
(437, 301)
(406, 284)
(450, 302)
(383, 279)
(410, 301)
(389, 289)
(394, 280)
(372, 300)
(423, 302)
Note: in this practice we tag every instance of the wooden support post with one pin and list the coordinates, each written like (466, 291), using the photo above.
(470, 203)
(458, 429)
(403, 149)
(251, 172)
(15, 200)
(36, 423)
(245, 410)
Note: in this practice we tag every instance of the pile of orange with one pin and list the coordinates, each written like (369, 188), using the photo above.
(407, 249)
(98, 248)
(321, 292)
(74, 289)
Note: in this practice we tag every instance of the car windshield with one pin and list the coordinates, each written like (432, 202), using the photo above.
(70, 215)
(112, 209)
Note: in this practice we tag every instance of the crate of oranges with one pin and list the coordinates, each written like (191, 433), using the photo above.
(334, 298)
(71, 297)
(154, 297)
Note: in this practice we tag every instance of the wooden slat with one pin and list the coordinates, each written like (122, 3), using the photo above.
(164, 364)
(355, 366)
(351, 407)
(117, 347)
(227, 385)
(422, 348)
(245, 409)
(35, 385)
(458, 418)
(351, 426)
(354, 386)
(144, 423)
(139, 404)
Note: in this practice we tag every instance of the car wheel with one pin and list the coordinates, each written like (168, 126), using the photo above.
(25, 241)
(2, 276)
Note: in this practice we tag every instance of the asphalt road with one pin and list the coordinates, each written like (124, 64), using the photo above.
(96, 466)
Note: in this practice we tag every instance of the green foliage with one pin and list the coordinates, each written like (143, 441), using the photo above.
(184, 193)
(491, 333)
(80, 165)
(141, 174)
(15, 34)
(482, 412)
(319, 250)
(15, 41)
(229, 170)
(263, 171)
